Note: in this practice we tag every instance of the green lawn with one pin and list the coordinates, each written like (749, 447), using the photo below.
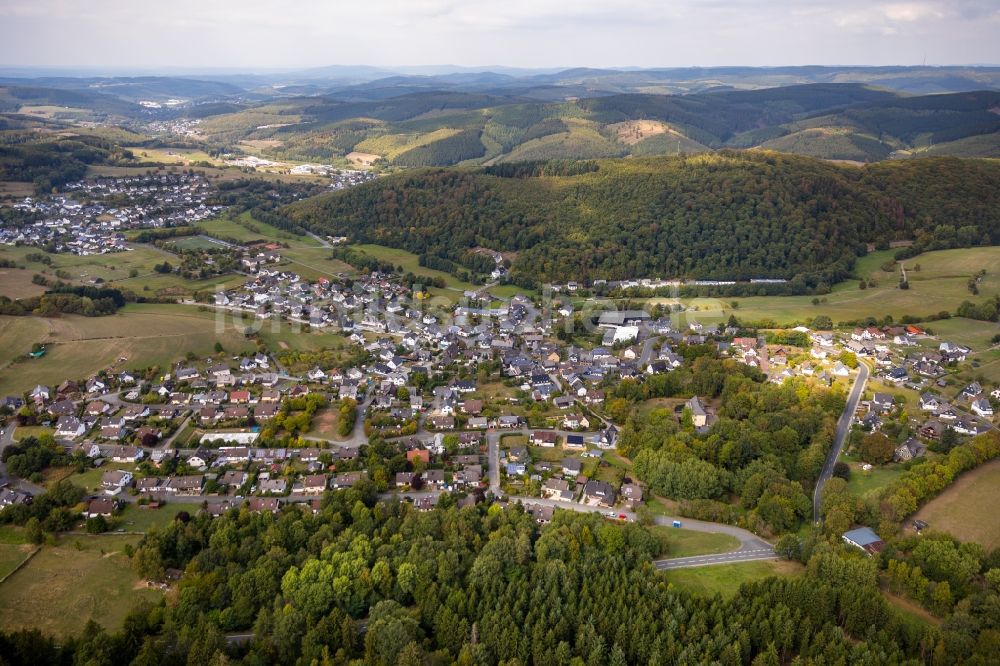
(411, 263)
(23, 432)
(725, 579)
(863, 483)
(940, 284)
(64, 586)
(244, 228)
(969, 332)
(136, 519)
(553, 454)
(679, 542)
(12, 555)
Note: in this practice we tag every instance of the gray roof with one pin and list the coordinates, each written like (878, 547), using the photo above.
(862, 536)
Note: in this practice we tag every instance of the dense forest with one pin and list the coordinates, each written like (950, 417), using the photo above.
(53, 162)
(729, 216)
(380, 581)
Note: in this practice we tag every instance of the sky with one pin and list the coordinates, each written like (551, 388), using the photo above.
(258, 35)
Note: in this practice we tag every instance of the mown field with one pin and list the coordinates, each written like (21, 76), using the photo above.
(968, 508)
(725, 579)
(940, 284)
(16, 283)
(82, 578)
(679, 542)
(411, 264)
(142, 335)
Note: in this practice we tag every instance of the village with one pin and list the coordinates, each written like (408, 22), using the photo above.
(474, 397)
(81, 222)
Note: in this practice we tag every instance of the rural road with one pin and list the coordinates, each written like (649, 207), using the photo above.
(843, 428)
(740, 555)
(752, 547)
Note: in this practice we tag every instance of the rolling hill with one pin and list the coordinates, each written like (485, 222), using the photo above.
(723, 216)
(830, 121)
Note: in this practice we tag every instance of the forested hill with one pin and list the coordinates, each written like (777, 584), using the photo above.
(732, 215)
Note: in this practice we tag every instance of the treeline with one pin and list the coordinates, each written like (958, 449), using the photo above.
(51, 163)
(541, 168)
(69, 299)
(928, 478)
(472, 586)
(727, 216)
(151, 235)
(454, 149)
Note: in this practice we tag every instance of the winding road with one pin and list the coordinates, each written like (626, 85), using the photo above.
(752, 547)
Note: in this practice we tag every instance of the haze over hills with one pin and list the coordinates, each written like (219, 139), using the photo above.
(456, 117)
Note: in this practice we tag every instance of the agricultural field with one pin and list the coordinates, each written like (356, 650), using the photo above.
(679, 542)
(142, 335)
(411, 264)
(940, 284)
(243, 228)
(16, 283)
(967, 509)
(84, 577)
(725, 579)
(172, 156)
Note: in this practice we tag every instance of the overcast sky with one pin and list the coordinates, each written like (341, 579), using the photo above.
(259, 34)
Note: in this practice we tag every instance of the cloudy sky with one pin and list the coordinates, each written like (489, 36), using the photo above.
(261, 34)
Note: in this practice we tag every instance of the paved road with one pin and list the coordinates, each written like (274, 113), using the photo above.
(740, 555)
(843, 428)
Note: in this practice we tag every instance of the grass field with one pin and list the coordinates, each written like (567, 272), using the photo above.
(244, 228)
(969, 332)
(143, 334)
(23, 432)
(12, 555)
(16, 283)
(967, 509)
(115, 269)
(910, 609)
(411, 263)
(678, 542)
(172, 156)
(863, 483)
(136, 519)
(64, 586)
(940, 284)
(80, 346)
(725, 579)
(195, 243)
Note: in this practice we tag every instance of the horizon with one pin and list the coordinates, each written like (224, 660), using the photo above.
(264, 36)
